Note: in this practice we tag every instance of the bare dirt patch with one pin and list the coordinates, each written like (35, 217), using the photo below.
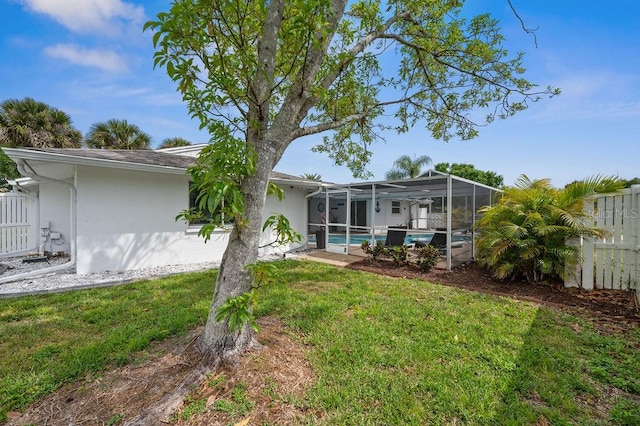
(268, 385)
(273, 381)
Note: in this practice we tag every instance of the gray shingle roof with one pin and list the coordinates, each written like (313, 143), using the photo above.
(148, 157)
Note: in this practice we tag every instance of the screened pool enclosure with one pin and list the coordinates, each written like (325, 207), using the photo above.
(434, 207)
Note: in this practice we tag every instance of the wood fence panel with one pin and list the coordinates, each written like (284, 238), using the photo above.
(612, 261)
(18, 223)
(588, 265)
(616, 239)
(628, 255)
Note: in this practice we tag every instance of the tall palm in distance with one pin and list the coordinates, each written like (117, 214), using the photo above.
(174, 142)
(405, 167)
(312, 176)
(30, 123)
(117, 134)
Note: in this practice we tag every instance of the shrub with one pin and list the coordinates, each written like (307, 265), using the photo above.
(374, 252)
(399, 254)
(427, 257)
(525, 234)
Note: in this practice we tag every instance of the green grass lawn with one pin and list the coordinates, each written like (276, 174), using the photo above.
(385, 351)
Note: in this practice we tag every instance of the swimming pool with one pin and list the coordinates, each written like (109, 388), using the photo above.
(357, 239)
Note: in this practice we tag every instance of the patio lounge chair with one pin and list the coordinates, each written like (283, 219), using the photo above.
(395, 237)
(439, 241)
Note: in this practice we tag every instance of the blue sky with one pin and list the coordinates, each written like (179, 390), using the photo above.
(91, 59)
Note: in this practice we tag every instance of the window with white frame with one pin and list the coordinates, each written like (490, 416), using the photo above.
(200, 217)
(395, 207)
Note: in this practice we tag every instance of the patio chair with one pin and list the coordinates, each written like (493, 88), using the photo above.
(439, 241)
(395, 237)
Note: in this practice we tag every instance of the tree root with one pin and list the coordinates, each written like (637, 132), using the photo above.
(162, 410)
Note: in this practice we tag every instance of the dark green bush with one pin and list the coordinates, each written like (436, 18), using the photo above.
(399, 254)
(427, 257)
(373, 252)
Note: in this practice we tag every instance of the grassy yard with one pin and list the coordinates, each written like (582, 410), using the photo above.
(385, 351)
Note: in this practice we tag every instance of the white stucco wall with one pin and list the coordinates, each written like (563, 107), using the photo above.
(55, 205)
(55, 211)
(293, 207)
(393, 219)
(126, 220)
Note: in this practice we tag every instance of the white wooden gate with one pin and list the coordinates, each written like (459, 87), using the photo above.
(613, 262)
(18, 223)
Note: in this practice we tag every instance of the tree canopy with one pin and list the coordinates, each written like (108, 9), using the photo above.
(303, 67)
(468, 171)
(174, 142)
(8, 170)
(117, 134)
(406, 167)
(30, 123)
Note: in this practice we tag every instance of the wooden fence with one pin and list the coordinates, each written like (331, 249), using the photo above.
(18, 223)
(612, 262)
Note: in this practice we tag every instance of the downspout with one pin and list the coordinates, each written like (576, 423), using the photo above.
(449, 207)
(306, 212)
(73, 198)
(373, 214)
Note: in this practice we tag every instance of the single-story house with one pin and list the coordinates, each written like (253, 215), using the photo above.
(115, 210)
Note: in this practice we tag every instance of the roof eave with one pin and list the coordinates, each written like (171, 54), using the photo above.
(16, 153)
(299, 183)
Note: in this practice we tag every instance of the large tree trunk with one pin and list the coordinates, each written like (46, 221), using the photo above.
(218, 343)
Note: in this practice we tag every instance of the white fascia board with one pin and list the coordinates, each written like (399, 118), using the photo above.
(299, 183)
(472, 182)
(84, 161)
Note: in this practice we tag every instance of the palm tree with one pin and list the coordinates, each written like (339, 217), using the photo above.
(174, 142)
(525, 234)
(405, 168)
(117, 134)
(312, 176)
(29, 123)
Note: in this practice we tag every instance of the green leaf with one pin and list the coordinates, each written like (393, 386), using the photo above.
(237, 311)
(171, 69)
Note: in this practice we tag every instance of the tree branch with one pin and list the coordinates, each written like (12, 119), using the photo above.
(323, 127)
(526, 30)
(359, 48)
(439, 60)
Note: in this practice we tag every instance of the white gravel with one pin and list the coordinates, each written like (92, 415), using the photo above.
(66, 280)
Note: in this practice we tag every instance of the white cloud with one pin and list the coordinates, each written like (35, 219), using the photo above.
(105, 60)
(107, 17)
(591, 95)
(164, 99)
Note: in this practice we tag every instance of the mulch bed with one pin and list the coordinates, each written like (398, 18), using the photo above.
(617, 305)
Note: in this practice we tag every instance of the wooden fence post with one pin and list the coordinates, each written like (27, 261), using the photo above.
(588, 249)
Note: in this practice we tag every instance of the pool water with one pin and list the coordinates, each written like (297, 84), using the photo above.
(357, 239)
